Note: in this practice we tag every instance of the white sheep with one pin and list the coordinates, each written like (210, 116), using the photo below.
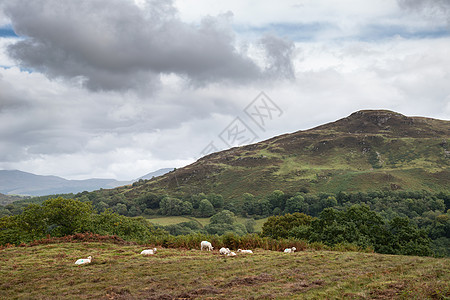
(245, 251)
(83, 261)
(149, 251)
(231, 254)
(290, 250)
(224, 251)
(206, 245)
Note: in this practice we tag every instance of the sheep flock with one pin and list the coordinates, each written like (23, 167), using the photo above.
(204, 245)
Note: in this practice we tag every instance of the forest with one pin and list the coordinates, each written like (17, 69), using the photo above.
(394, 222)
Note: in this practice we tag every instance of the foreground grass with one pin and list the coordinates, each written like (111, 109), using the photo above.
(119, 272)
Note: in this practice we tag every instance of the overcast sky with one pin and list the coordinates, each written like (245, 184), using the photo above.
(120, 88)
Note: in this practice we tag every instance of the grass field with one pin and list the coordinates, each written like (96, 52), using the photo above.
(164, 220)
(120, 272)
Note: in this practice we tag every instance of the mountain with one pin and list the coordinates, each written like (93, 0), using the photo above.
(156, 173)
(14, 182)
(368, 150)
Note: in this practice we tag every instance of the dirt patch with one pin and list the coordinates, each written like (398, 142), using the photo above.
(391, 291)
(153, 295)
(209, 290)
(118, 293)
(162, 297)
(353, 296)
(249, 280)
(305, 285)
(267, 296)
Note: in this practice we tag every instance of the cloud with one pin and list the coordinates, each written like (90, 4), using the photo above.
(114, 89)
(118, 45)
(279, 53)
(431, 9)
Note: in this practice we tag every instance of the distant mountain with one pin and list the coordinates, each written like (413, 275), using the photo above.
(14, 182)
(368, 150)
(156, 173)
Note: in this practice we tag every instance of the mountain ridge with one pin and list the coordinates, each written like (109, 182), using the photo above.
(369, 149)
(16, 182)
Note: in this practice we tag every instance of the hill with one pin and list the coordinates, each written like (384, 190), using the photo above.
(118, 271)
(14, 182)
(368, 150)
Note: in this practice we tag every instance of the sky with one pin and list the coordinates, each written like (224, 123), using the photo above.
(121, 88)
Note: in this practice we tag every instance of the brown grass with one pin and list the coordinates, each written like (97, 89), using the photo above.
(118, 271)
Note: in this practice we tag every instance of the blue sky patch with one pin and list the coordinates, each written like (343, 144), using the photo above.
(376, 32)
(294, 31)
(7, 32)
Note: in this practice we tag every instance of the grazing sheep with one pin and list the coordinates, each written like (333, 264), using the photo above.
(245, 251)
(83, 261)
(290, 250)
(206, 245)
(224, 251)
(149, 251)
(231, 254)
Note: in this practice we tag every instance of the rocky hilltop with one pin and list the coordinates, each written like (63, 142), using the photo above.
(368, 150)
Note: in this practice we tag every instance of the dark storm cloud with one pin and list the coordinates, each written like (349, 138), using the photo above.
(117, 45)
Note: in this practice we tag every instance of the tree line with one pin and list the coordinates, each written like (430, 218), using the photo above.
(428, 212)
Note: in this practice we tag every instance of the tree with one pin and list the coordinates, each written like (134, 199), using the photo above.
(216, 200)
(277, 199)
(186, 208)
(223, 217)
(134, 211)
(250, 225)
(121, 209)
(149, 200)
(296, 204)
(175, 207)
(357, 224)
(248, 204)
(66, 216)
(406, 239)
(279, 227)
(205, 208)
(102, 206)
(262, 207)
(195, 200)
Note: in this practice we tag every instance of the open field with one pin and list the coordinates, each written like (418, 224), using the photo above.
(119, 272)
(171, 220)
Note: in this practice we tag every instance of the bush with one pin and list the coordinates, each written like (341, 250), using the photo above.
(61, 217)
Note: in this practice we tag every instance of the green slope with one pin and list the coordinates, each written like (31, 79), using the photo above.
(368, 150)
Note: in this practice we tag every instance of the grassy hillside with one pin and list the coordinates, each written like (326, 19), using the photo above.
(119, 272)
(369, 150)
